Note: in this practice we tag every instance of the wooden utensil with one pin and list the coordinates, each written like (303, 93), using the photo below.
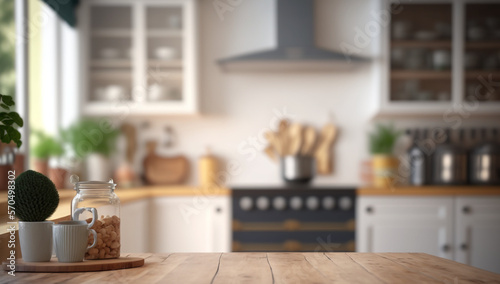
(164, 170)
(275, 142)
(294, 139)
(271, 153)
(323, 152)
(282, 136)
(309, 141)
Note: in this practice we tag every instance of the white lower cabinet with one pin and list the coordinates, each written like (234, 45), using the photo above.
(464, 229)
(176, 224)
(478, 232)
(190, 224)
(134, 226)
(405, 224)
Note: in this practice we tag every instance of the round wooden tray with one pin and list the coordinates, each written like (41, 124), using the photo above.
(85, 266)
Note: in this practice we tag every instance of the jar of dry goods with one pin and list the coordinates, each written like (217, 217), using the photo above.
(97, 196)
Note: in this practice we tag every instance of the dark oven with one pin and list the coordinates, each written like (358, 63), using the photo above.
(294, 219)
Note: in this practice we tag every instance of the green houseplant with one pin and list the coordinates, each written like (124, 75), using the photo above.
(9, 121)
(93, 141)
(45, 147)
(385, 164)
(36, 198)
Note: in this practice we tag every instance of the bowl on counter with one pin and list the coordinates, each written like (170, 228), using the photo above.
(165, 53)
(109, 53)
(110, 93)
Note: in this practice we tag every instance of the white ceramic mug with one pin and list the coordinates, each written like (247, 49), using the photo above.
(70, 240)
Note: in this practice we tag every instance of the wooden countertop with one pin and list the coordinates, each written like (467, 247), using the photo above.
(430, 190)
(63, 211)
(278, 268)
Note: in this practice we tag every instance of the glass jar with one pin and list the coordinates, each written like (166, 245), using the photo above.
(101, 196)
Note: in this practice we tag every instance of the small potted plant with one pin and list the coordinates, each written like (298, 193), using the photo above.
(385, 164)
(36, 199)
(44, 148)
(94, 141)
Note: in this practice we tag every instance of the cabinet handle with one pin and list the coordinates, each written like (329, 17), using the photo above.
(369, 209)
(466, 210)
(218, 210)
(446, 248)
(464, 246)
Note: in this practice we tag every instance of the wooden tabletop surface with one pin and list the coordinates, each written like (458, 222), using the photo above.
(276, 268)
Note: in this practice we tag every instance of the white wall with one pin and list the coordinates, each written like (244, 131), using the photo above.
(237, 107)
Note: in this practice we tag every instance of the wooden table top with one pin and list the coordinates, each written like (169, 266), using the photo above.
(277, 268)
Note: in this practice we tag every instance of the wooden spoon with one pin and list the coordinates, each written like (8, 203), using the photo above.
(294, 139)
(274, 141)
(323, 152)
(282, 136)
(271, 153)
(309, 141)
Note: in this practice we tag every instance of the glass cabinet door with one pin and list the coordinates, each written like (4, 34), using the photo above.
(164, 52)
(110, 53)
(420, 53)
(482, 52)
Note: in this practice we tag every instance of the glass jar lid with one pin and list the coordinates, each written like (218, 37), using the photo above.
(91, 184)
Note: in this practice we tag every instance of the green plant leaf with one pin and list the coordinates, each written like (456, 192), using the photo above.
(6, 138)
(14, 134)
(45, 146)
(383, 139)
(91, 136)
(7, 121)
(8, 100)
(4, 106)
(16, 118)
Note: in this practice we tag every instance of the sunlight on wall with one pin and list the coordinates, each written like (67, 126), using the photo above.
(35, 69)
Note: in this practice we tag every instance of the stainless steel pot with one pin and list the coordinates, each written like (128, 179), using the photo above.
(485, 163)
(450, 164)
(297, 169)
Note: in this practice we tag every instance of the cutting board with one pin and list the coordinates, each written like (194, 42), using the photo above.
(85, 266)
(159, 170)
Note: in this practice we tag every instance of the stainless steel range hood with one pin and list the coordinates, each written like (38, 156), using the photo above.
(296, 50)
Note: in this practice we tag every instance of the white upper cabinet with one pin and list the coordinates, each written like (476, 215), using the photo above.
(478, 232)
(139, 57)
(440, 58)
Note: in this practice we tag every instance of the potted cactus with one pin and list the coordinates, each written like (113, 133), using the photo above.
(36, 198)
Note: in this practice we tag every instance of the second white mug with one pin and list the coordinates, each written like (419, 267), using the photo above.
(70, 240)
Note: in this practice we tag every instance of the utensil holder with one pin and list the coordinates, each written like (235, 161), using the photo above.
(297, 169)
